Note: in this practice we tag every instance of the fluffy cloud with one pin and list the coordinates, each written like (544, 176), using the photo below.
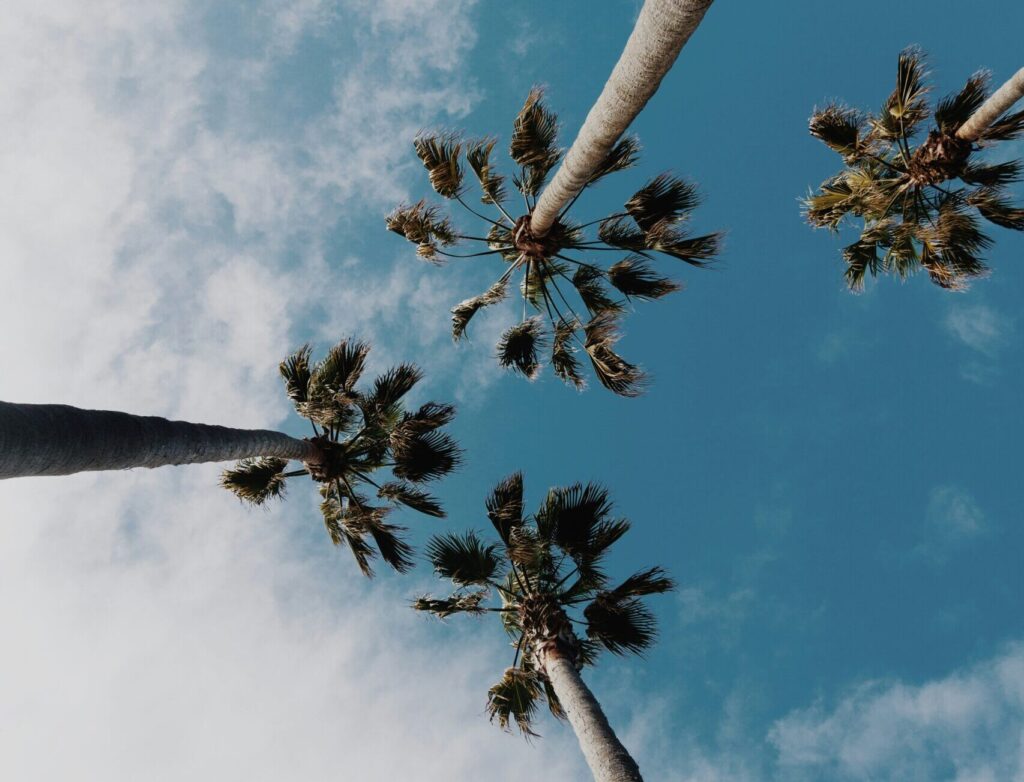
(966, 727)
(167, 233)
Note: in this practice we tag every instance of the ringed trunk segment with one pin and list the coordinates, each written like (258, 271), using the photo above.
(608, 759)
(61, 440)
(1001, 100)
(661, 30)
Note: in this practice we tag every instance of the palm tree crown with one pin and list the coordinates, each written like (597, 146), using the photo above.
(564, 258)
(359, 433)
(918, 196)
(547, 574)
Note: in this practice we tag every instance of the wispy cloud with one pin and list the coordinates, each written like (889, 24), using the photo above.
(978, 326)
(953, 519)
(965, 727)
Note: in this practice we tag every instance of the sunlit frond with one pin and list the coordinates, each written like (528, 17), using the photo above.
(410, 496)
(440, 156)
(463, 312)
(563, 354)
(295, 370)
(514, 699)
(255, 480)
(478, 153)
(465, 603)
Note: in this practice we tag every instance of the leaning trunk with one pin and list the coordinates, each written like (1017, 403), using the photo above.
(993, 108)
(608, 759)
(662, 29)
(60, 440)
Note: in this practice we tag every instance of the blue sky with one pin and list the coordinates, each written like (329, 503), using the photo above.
(831, 478)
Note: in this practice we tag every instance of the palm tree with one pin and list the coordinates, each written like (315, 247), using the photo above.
(547, 574)
(917, 199)
(550, 252)
(358, 434)
(355, 434)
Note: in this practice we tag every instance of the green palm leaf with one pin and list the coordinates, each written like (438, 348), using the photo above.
(463, 559)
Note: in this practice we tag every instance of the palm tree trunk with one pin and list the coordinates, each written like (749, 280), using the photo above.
(662, 29)
(60, 440)
(608, 759)
(1011, 92)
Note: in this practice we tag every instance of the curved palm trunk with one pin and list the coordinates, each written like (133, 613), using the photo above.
(1011, 92)
(60, 440)
(662, 29)
(608, 759)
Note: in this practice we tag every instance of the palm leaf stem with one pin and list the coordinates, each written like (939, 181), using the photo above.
(471, 209)
(519, 648)
(603, 219)
(294, 474)
(469, 255)
(581, 263)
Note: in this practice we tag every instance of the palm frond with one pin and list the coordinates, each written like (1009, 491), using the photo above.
(295, 370)
(615, 373)
(665, 199)
(620, 157)
(440, 156)
(514, 698)
(255, 480)
(534, 134)
(505, 505)
(907, 106)
(465, 603)
(411, 497)
(520, 345)
(1006, 128)
(954, 110)
(342, 534)
(563, 354)
(997, 209)
(331, 393)
(463, 312)
(620, 624)
(499, 237)
(398, 381)
(464, 559)
(694, 250)
(478, 153)
(617, 232)
(388, 539)
(861, 257)
(992, 176)
(422, 223)
(571, 516)
(653, 581)
(589, 284)
(633, 277)
(839, 128)
(425, 456)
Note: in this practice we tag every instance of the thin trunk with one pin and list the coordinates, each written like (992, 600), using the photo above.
(60, 440)
(608, 759)
(1001, 100)
(662, 29)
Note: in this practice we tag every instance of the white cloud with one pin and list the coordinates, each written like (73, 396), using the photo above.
(163, 243)
(953, 518)
(967, 727)
(978, 326)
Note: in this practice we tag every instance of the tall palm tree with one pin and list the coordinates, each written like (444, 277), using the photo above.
(546, 578)
(550, 252)
(356, 434)
(917, 198)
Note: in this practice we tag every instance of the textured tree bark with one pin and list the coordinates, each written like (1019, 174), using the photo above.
(662, 29)
(60, 440)
(989, 111)
(608, 759)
